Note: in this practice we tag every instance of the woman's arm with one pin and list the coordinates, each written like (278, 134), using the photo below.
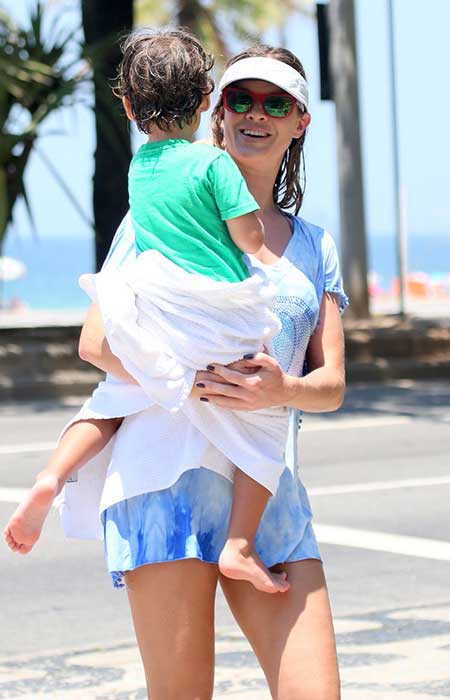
(93, 347)
(320, 390)
(323, 388)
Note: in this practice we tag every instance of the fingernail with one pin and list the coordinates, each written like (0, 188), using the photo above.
(211, 368)
(200, 385)
(249, 356)
(203, 398)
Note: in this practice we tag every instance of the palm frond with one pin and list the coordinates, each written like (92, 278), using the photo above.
(40, 71)
(28, 208)
(155, 13)
(217, 21)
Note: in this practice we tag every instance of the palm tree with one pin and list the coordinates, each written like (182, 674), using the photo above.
(351, 196)
(38, 76)
(213, 21)
(104, 21)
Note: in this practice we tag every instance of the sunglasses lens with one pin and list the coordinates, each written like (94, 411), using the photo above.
(278, 105)
(238, 101)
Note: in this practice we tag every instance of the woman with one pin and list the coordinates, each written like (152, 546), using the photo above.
(165, 544)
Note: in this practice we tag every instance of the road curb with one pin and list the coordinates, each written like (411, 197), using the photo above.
(43, 363)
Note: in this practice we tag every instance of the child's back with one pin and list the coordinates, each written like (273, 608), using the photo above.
(181, 194)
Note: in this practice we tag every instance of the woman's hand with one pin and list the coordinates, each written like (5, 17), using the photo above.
(245, 385)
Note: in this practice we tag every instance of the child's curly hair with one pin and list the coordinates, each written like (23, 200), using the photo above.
(164, 74)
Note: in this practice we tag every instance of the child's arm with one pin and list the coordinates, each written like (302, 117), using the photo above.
(247, 232)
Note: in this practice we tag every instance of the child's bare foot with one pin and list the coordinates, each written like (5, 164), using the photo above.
(237, 563)
(25, 526)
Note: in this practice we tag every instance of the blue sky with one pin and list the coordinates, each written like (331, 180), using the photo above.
(424, 117)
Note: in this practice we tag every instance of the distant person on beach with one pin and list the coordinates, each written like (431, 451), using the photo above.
(16, 304)
(160, 495)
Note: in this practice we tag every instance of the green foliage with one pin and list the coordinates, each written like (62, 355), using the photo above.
(156, 13)
(40, 71)
(216, 21)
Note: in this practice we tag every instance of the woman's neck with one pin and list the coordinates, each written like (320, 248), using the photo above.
(260, 183)
(278, 227)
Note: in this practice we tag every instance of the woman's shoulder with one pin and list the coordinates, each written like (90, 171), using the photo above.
(313, 236)
(123, 246)
(317, 250)
(310, 244)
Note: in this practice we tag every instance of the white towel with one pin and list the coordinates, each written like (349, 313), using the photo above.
(164, 324)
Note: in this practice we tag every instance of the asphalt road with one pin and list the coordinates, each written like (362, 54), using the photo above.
(378, 474)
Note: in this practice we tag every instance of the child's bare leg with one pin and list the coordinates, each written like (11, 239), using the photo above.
(82, 441)
(238, 560)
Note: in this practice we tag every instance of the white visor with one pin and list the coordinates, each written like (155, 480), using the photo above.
(272, 71)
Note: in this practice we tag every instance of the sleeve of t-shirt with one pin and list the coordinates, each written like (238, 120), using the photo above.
(332, 272)
(123, 247)
(229, 188)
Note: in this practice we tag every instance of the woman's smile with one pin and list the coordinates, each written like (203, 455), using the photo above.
(253, 126)
(254, 133)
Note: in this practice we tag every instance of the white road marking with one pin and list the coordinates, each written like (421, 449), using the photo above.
(383, 542)
(378, 486)
(14, 495)
(351, 423)
(30, 447)
(337, 535)
(316, 426)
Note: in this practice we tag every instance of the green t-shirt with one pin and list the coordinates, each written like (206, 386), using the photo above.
(181, 194)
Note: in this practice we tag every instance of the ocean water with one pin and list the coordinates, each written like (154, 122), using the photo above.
(54, 265)
(427, 253)
(53, 268)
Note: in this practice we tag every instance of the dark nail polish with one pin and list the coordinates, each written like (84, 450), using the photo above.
(211, 368)
(200, 385)
(203, 398)
(249, 356)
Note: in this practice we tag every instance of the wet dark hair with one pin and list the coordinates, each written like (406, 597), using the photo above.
(165, 75)
(290, 182)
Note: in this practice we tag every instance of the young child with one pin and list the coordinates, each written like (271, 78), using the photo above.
(190, 204)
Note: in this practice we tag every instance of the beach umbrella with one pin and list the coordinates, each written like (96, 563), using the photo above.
(11, 269)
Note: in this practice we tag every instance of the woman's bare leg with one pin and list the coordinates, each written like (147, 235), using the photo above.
(238, 559)
(291, 634)
(172, 605)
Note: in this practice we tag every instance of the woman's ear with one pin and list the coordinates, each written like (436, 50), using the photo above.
(303, 122)
(221, 116)
(128, 110)
(205, 104)
(222, 127)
